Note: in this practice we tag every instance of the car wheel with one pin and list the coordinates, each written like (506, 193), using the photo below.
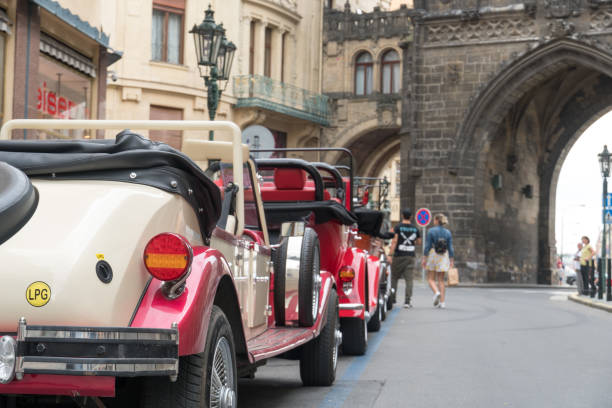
(383, 307)
(207, 379)
(374, 323)
(319, 357)
(279, 259)
(309, 284)
(354, 336)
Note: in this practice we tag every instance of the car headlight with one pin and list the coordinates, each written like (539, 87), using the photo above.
(8, 346)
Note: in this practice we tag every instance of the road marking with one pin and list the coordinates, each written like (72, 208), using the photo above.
(336, 397)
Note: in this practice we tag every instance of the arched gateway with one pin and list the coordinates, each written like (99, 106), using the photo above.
(494, 94)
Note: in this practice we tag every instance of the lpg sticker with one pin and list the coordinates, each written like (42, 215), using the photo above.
(38, 294)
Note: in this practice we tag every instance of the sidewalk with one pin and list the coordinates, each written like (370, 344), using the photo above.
(592, 302)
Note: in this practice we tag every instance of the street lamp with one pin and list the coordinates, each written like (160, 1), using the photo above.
(215, 56)
(604, 162)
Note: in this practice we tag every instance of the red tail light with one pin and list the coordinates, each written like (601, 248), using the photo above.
(168, 256)
(347, 274)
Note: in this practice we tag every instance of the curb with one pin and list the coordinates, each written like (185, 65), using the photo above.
(590, 303)
(512, 286)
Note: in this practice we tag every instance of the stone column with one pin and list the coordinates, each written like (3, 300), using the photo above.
(260, 47)
(277, 54)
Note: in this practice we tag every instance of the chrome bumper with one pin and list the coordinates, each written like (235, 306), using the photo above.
(350, 306)
(100, 351)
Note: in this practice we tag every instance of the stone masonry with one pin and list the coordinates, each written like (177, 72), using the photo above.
(494, 94)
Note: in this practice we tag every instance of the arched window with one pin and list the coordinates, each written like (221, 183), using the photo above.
(390, 72)
(363, 74)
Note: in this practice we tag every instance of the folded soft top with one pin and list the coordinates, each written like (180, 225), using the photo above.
(129, 158)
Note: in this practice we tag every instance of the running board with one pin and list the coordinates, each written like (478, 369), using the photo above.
(278, 340)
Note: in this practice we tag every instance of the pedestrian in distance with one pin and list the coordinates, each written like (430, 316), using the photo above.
(406, 237)
(438, 258)
(586, 257)
(579, 280)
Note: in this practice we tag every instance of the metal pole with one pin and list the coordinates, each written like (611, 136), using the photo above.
(213, 97)
(423, 245)
(604, 246)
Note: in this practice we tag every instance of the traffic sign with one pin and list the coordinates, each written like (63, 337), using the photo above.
(608, 203)
(607, 216)
(423, 217)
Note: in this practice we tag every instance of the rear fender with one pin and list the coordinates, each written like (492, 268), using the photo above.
(191, 311)
(374, 271)
(356, 258)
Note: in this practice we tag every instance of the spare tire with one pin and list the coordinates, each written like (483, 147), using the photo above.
(18, 200)
(310, 279)
(279, 260)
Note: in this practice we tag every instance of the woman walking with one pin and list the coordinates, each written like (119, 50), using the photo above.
(438, 258)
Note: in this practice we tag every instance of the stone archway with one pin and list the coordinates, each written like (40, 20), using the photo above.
(518, 131)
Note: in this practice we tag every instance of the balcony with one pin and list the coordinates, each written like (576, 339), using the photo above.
(256, 91)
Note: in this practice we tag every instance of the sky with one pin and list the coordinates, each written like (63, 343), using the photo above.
(579, 192)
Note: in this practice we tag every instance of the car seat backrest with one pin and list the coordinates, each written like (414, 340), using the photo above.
(289, 179)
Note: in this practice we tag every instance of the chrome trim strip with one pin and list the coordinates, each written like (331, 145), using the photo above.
(351, 306)
(51, 334)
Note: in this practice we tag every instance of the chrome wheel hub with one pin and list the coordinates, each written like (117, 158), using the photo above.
(337, 343)
(316, 284)
(222, 386)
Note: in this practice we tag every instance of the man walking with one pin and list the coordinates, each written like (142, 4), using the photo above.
(402, 253)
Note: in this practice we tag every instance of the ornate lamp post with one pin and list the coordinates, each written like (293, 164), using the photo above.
(604, 161)
(215, 57)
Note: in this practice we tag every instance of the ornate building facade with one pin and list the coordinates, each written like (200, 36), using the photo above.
(493, 95)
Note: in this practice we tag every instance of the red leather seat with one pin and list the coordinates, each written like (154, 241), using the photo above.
(289, 185)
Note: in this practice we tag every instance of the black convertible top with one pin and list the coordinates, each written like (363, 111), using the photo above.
(129, 158)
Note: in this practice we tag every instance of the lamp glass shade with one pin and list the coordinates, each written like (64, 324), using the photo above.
(226, 58)
(207, 37)
(604, 162)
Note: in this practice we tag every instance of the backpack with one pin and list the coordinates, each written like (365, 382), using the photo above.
(441, 246)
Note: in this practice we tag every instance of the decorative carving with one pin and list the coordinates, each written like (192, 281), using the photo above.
(601, 20)
(562, 8)
(482, 30)
(596, 3)
(530, 9)
(343, 26)
(286, 4)
(470, 15)
(561, 28)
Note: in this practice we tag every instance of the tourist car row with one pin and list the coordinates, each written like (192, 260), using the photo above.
(133, 266)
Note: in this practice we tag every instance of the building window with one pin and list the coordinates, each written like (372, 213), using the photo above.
(390, 72)
(252, 49)
(329, 4)
(63, 93)
(268, 52)
(173, 138)
(167, 31)
(363, 74)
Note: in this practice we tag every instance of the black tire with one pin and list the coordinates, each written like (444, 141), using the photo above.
(354, 336)
(279, 259)
(194, 384)
(309, 280)
(319, 357)
(384, 309)
(374, 323)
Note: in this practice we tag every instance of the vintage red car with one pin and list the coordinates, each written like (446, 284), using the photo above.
(315, 197)
(124, 258)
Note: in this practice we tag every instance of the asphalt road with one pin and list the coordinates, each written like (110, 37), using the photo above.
(489, 348)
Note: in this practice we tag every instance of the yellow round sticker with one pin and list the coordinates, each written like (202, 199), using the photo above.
(38, 294)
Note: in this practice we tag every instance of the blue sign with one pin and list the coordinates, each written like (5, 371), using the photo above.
(608, 203)
(607, 216)
(423, 217)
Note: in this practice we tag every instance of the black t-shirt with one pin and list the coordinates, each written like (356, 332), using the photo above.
(407, 234)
